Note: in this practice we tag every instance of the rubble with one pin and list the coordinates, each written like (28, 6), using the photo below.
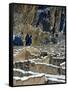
(30, 61)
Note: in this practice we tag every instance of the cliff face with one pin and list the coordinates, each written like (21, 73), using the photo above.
(36, 20)
(30, 14)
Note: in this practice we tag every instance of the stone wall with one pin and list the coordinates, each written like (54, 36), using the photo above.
(38, 67)
(32, 80)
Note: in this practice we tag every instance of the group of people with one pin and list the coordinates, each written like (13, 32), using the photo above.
(18, 40)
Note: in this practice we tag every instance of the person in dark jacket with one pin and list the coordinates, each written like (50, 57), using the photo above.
(28, 39)
(17, 41)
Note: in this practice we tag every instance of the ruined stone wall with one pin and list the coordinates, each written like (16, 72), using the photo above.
(31, 81)
(41, 68)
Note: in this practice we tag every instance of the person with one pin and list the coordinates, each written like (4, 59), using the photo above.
(28, 39)
(17, 40)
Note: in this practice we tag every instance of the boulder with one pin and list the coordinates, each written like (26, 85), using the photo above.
(33, 51)
(22, 55)
(27, 53)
